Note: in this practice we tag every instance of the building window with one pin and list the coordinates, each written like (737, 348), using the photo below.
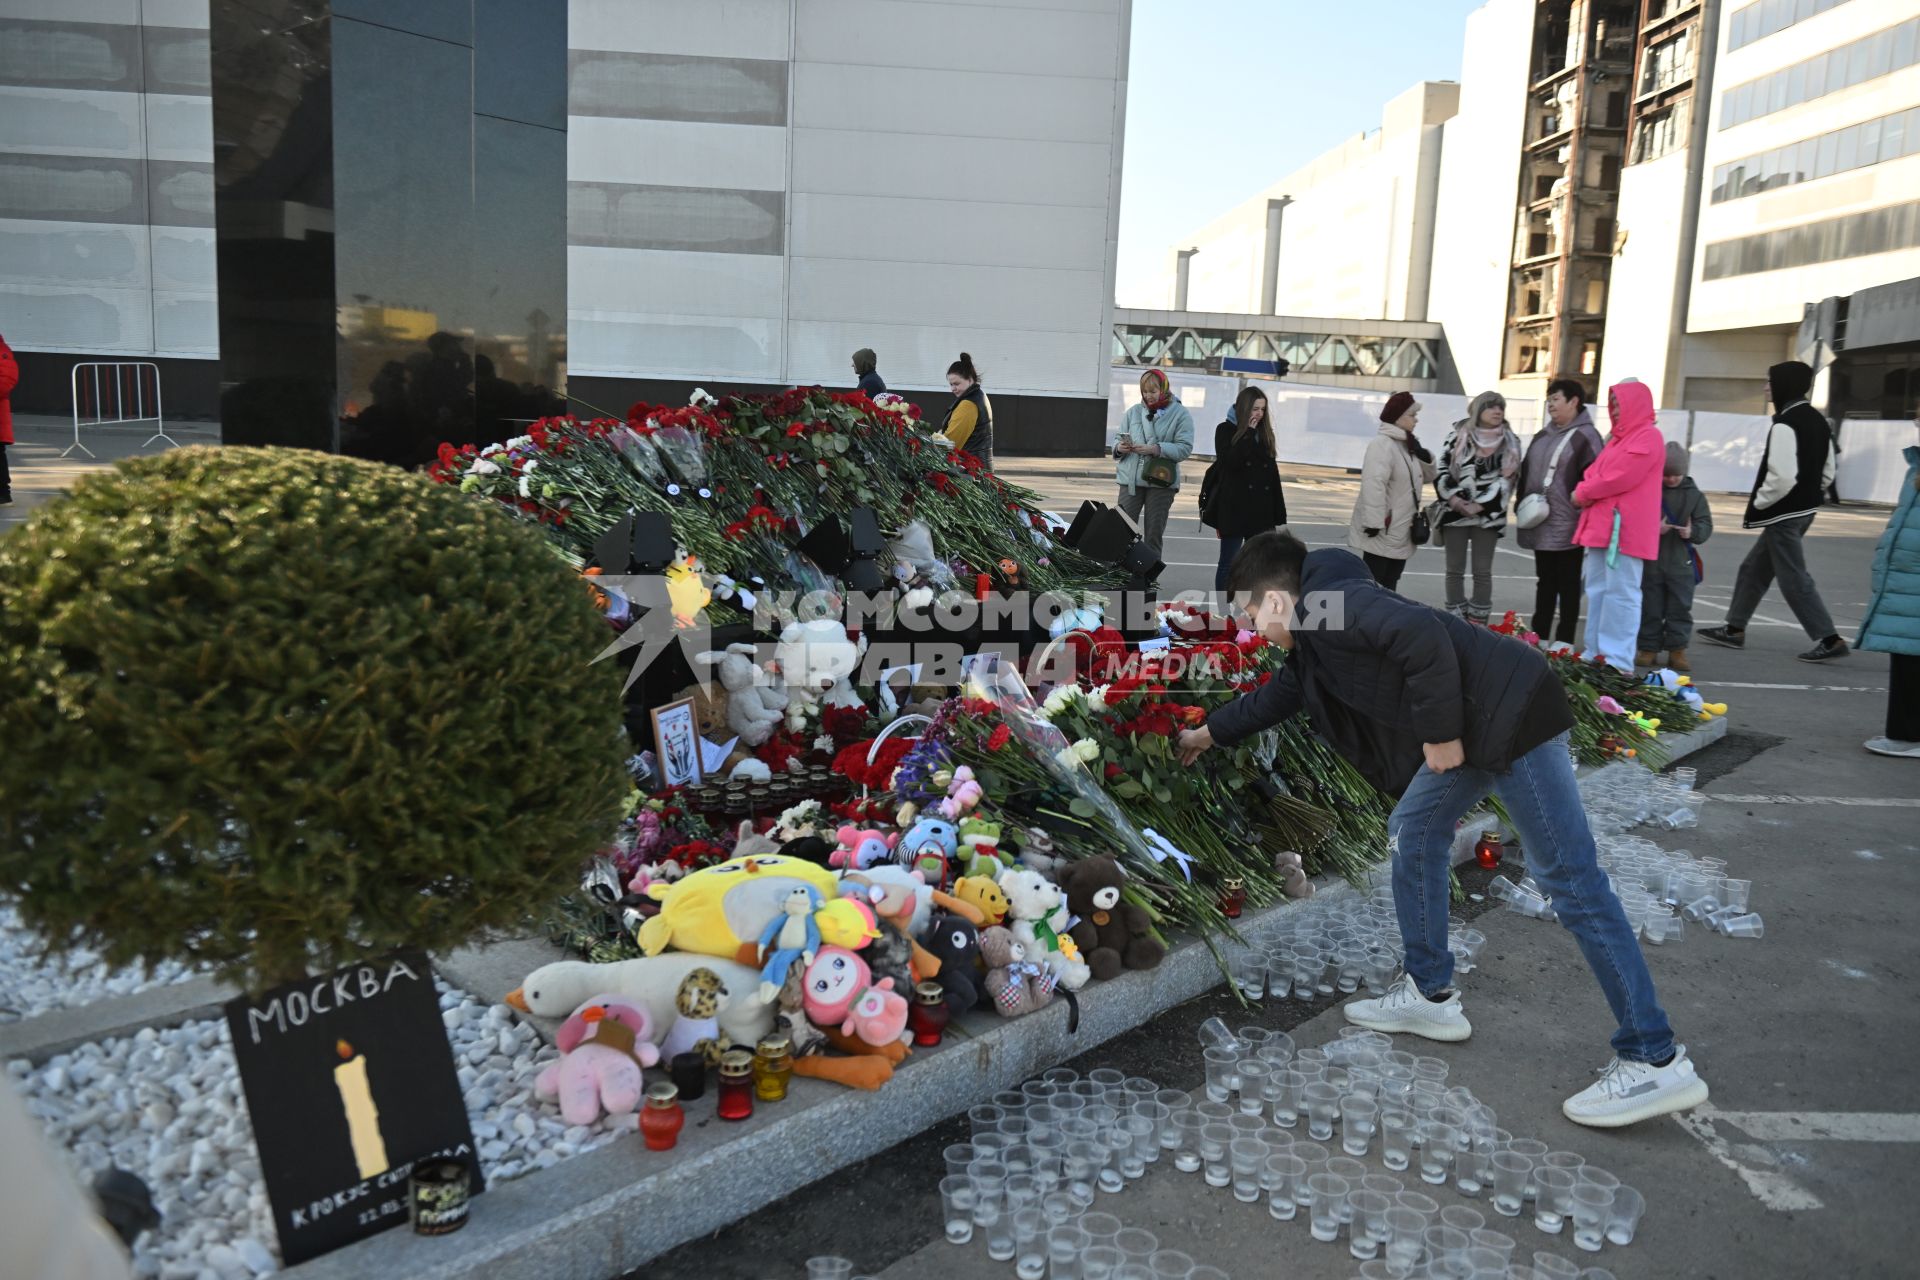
(1856, 235)
(1763, 18)
(1867, 58)
(1857, 146)
(1668, 64)
(1659, 132)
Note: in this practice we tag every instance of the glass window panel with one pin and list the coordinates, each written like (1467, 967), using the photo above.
(1893, 137)
(1857, 55)
(1803, 10)
(1869, 143)
(1847, 154)
(1879, 54)
(1913, 132)
(1776, 94)
(1816, 75)
(1823, 163)
(1797, 83)
(1772, 18)
(1803, 160)
(1903, 44)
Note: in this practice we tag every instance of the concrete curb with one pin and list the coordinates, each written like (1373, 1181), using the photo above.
(37, 1039)
(612, 1210)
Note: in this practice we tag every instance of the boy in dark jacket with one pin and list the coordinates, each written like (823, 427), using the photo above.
(1441, 714)
(1666, 587)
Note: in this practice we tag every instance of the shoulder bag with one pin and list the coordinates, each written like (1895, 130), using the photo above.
(1157, 473)
(1535, 508)
(1422, 527)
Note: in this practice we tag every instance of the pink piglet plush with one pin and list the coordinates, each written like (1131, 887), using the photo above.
(603, 1046)
(879, 1016)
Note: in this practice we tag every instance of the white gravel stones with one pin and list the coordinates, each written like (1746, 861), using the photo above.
(166, 1104)
(31, 985)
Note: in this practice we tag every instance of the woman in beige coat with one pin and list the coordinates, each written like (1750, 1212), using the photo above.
(1396, 472)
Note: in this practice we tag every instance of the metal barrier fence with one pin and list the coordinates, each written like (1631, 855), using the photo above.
(115, 393)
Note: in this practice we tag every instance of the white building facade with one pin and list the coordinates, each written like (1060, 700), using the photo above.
(1353, 229)
(756, 188)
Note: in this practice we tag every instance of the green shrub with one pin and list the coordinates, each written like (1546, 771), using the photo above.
(268, 710)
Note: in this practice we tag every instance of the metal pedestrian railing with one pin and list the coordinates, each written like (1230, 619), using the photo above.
(113, 393)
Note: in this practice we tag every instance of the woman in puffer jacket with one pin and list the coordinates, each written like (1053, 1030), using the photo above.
(1892, 624)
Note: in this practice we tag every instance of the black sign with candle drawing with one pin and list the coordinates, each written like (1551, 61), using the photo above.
(349, 1080)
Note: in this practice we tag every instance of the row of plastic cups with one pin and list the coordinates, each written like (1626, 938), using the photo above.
(1097, 1247)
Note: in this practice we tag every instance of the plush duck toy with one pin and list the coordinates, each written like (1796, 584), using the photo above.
(653, 983)
(723, 910)
(603, 1046)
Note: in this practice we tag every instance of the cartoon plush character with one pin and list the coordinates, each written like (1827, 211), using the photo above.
(847, 922)
(956, 944)
(722, 910)
(654, 983)
(697, 1029)
(790, 936)
(983, 892)
(1038, 911)
(868, 1067)
(980, 848)
(928, 847)
(603, 1046)
(840, 993)
(1112, 934)
(1016, 984)
(754, 707)
(860, 850)
(963, 795)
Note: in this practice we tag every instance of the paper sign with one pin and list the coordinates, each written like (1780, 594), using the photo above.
(349, 1080)
(714, 754)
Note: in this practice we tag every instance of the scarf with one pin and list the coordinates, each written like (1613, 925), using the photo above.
(1160, 400)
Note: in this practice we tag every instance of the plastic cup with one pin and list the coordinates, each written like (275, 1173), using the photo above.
(1246, 1158)
(1102, 1227)
(1437, 1150)
(1736, 894)
(1592, 1206)
(1747, 926)
(1322, 1103)
(1553, 1198)
(1496, 1242)
(1461, 1218)
(1510, 1172)
(1169, 1264)
(829, 1268)
(1214, 1140)
(1329, 1192)
(1624, 1220)
(1359, 1118)
(986, 1118)
(1367, 1223)
(1080, 1168)
(1136, 1244)
(1186, 1141)
(1535, 1151)
(1223, 1072)
(1290, 1086)
(1396, 1138)
(1571, 1161)
(1405, 1243)
(1282, 1179)
(959, 1198)
(959, 1156)
(992, 1220)
(1254, 1076)
(1147, 1141)
(1101, 1262)
(1059, 1208)
(1445, 1245)
(1250, 974)
(1551, 1266)
(1485, 1262)
(1064, 1077)
(1066, 1244)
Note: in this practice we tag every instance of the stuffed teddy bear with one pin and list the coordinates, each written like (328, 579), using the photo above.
(964, 794)
(1037, 852)
(754, 707)
(956, 944)
(980, 848)
(603, 1046)
(1016, 984)
(654, 983)
(1112, 935)
(839, 993)
(1293, 876)
(816, 660)
(929, 847)
(861, 850)
(712, 706)
(790, 936)
(1038, 911)
(984, 893)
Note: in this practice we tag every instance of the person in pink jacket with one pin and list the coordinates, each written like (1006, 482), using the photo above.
(1619, 501)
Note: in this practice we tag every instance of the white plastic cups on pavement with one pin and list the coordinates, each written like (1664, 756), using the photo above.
(1322, 1104)
(1554, 1197)
(1359, 1116)
(1592, 1206)
(1215, 1033)
(956, 1197)
(1748, 926)
(1282, 1179)
(1624, 1220)
(1510, 1170)
(1396, 1138)
(1223, 1072)
(1329, 1196)
(1367, 1219)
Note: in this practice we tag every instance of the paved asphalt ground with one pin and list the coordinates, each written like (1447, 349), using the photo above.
(1810, 1163)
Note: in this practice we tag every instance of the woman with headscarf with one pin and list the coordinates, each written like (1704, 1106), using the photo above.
(1619, 501)
(1243, 496)
(968, 426)
(1477, 467)
(1155, 439)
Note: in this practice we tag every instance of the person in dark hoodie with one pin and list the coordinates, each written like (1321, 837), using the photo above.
(866, 368)
(1666, 589)
(1441, 713)
(1242, 495)
(1796, 475)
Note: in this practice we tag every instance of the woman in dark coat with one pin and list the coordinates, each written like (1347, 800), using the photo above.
(1242, 495)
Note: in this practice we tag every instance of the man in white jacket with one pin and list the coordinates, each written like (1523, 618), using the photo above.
(1796, 475)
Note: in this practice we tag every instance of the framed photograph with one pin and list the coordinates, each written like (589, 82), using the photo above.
(676, 743)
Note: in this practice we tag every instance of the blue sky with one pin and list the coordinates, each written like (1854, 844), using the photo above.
(1226, 96)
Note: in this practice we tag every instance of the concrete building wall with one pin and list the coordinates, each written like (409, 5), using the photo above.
(1479, 178)
(1355, 240)
(1640, 330)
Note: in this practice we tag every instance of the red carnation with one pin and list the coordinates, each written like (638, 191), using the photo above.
(999, 737)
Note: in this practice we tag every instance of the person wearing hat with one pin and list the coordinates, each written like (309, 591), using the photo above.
(1666, 591)
(865, 367)
(1395, 472)
(1796, 475)
(1155, 438)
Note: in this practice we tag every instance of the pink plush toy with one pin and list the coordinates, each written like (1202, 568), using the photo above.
(603, 1046)
(839, 991)
(963, 793)
(861, 850)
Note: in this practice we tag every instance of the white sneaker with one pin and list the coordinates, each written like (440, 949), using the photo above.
(1893, 747)
(1403, 1008)
(1628, 1092)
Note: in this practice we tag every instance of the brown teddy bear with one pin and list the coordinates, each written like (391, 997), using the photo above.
(1016, 984)
(710, 709)
(1112, 935)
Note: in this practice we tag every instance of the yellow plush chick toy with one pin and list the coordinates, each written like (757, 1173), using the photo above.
(721, 909)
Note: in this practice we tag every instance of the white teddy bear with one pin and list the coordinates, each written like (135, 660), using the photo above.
(755, 707)
(816, 659)
(1037, 914)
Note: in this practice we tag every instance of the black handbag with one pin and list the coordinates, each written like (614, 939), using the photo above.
(1422, 527)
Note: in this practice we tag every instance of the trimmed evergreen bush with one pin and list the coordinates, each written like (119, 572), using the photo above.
(272, 711)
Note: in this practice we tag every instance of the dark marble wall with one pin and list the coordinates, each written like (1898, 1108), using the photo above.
(391, 215)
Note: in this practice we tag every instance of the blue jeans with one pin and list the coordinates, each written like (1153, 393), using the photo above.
(1543, 799)
(1229, 548)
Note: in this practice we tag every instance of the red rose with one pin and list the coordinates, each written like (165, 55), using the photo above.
(999, 737)
(1113, 770)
